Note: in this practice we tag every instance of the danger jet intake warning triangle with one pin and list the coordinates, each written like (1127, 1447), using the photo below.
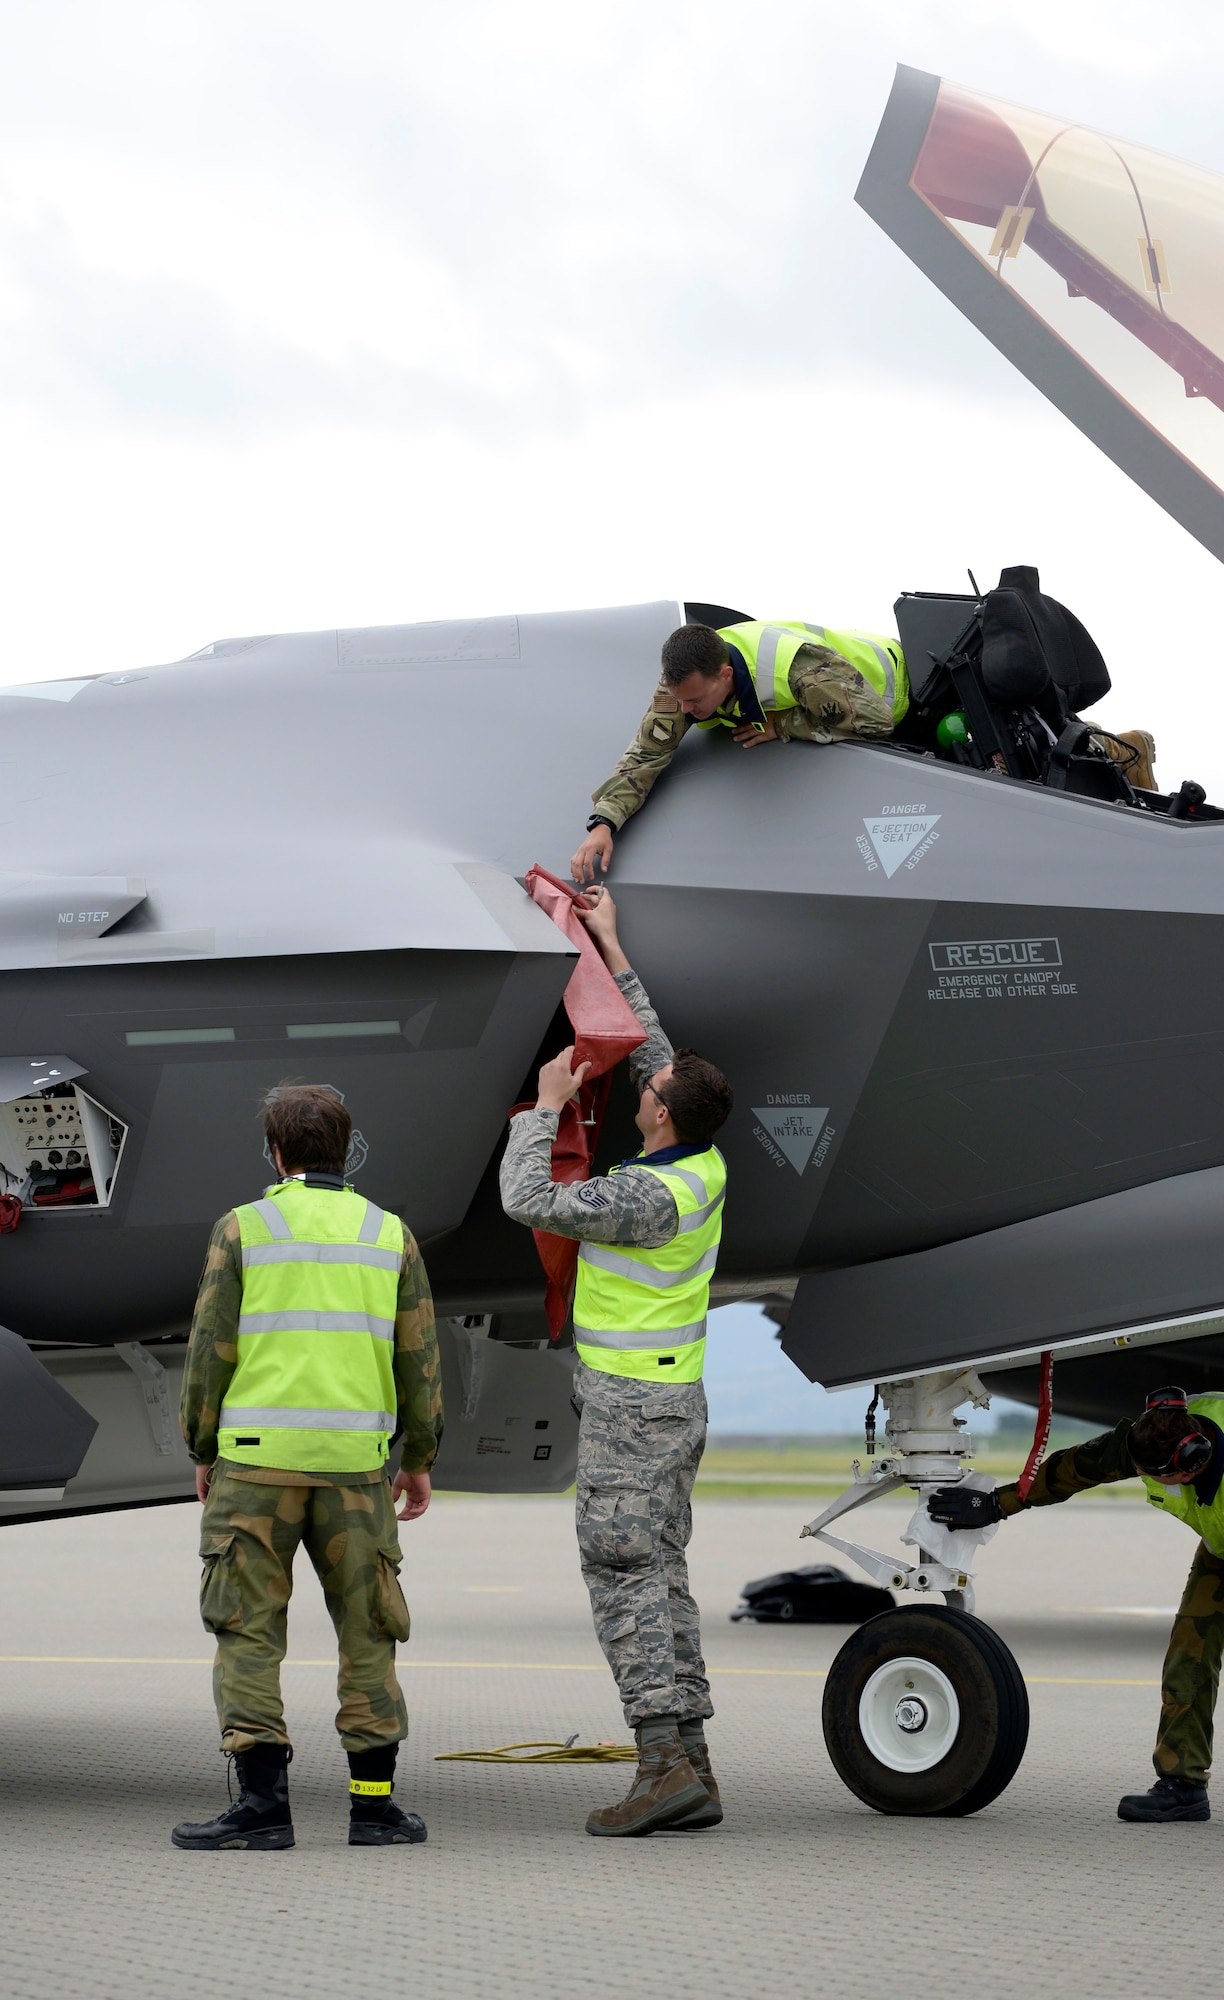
(793, 1130)
(894, 838)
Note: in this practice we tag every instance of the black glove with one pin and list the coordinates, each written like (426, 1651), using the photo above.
(964, 1507)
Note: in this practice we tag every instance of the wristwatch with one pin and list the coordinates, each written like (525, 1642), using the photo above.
(597, 819)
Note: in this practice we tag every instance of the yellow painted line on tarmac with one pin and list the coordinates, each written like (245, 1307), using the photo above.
(513, 1667)
(1074, 1681)
(91, 1660)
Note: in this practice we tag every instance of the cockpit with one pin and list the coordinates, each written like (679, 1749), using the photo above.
(997, 679)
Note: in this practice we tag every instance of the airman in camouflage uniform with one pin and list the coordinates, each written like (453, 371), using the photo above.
(1191, 1672)
(833, 700)
(257, 1516)
(639, 1448)
(641, 1442)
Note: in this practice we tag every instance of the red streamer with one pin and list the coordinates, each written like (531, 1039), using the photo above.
(605, 1030)
(1041, 1430)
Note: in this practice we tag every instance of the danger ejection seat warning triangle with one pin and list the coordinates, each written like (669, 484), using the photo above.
(893, 839)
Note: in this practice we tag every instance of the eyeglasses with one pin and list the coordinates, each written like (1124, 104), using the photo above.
(657, 1093)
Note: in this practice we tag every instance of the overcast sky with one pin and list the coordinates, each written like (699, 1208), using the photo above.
(317, 314)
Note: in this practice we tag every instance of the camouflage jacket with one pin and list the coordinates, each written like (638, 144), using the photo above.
(833, 699)
(1098, 1462)
(212, 1356)
(629, 1207)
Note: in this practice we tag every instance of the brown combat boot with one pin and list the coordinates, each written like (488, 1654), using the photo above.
(665, 1788)
(1135, 751)
(709, 1812)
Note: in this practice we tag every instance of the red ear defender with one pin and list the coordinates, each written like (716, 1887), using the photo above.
(1193, 1452)
(1193, 1455)
(1171, 1398)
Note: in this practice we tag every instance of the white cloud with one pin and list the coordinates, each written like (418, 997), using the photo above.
(312, 316)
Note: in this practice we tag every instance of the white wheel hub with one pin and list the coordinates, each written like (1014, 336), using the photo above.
(909, 1715)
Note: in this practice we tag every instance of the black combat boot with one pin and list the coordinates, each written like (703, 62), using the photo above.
(373, 1820)
(261, 1817)
(1169, 1799)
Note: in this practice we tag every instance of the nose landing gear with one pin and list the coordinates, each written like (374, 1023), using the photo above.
(925, 1710)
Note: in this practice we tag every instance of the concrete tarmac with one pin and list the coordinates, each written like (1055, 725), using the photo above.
(109, 1737)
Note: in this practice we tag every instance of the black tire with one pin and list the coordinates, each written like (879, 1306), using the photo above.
(986, 1741)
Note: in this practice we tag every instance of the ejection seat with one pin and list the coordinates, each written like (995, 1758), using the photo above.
(997, 681)
(1016, 666)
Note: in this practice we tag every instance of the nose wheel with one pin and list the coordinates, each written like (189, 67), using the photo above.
(926, 1713)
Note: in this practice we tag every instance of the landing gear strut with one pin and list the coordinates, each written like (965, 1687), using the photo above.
(925, 1710)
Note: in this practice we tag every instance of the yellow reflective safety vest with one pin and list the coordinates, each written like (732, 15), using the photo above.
(314, 1389)
(642, 1313)
(1183, 1501)
(768, 651)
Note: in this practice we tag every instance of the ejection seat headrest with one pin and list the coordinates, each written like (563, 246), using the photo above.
(1029, 639)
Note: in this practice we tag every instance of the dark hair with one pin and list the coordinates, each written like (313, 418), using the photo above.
(309, 1127)
(1155, 1436)
(693, 649)
(698, 1097)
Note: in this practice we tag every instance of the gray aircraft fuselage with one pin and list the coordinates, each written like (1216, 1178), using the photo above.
(949, 1003)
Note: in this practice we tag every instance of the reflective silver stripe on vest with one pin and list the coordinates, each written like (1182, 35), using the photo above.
(767, 653)
(241, 1419)
(371, 1224)
(819, 630)
(890, 672)
(320, 1253)
(316, 1322)
(275, 1222)
(700, 1216)
(643, 1274)
(680, 1336)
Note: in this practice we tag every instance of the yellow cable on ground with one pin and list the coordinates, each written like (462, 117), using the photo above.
(545, 1753)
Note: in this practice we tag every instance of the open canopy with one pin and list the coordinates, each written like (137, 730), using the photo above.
(1093, 264)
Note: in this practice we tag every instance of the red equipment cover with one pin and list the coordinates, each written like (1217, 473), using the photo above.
(605, 1030)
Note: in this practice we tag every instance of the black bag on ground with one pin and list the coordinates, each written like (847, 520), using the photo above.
(816, 1595)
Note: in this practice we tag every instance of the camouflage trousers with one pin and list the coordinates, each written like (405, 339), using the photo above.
(1191, 1675)
(248, 1539)
(639, 1447)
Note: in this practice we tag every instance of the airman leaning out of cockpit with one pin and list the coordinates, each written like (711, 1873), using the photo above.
(780, 682)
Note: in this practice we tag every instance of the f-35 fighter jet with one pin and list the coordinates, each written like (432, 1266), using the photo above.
(967, 983)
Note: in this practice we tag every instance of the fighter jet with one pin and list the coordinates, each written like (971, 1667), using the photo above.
(970, 1003)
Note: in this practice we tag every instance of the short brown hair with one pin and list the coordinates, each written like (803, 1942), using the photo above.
(693, 649)
(1155, 1436)
(309, 1127)
(698, 1097)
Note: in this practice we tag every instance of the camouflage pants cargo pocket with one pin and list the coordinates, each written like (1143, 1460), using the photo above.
(1191, 1677)
(615, 1529)
(639, 1447)
(220, 1601)
(391, 1607)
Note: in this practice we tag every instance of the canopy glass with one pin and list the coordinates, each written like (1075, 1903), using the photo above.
(1118, 251)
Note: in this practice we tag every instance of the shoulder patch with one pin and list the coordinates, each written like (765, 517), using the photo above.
(595, 1194)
